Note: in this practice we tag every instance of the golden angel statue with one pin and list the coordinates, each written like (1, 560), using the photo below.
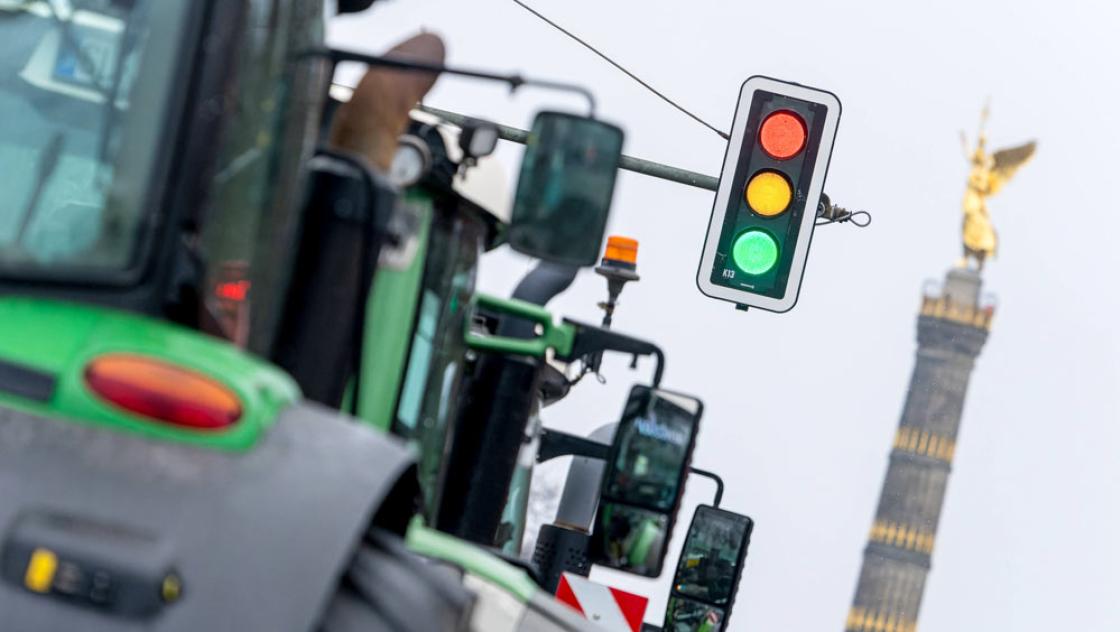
(988, 174)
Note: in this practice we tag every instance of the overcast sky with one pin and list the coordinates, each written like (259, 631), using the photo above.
(801, 408)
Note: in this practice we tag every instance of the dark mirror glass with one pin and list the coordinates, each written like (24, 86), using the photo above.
(653, 445)
(644, 480)
(565, 188)
(633, 539)
(688, 615)
(708, 572)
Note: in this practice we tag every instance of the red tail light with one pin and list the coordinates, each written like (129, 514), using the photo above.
(162, 391)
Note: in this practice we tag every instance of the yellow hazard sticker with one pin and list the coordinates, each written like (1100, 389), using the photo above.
(40, 570)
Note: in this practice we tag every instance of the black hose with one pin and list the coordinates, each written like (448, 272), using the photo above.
(539, 286)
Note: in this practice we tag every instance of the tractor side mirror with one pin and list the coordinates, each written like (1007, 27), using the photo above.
(644, 480)
(708, 572)
(565, 188)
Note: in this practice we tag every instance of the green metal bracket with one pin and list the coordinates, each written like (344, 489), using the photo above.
(559, 337)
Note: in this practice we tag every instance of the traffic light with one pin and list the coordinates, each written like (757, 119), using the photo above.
(771, 183)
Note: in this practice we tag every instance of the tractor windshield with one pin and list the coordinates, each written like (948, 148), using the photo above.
(84, 89)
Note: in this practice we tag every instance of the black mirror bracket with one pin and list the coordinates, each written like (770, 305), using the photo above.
(344, 179)
(555, 443)
(715, 478)
(514, 82)
(591, 340)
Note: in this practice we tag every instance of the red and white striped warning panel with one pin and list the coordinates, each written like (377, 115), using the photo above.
(611, 608)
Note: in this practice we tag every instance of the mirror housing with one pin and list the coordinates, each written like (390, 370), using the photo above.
(644, 480)
(708, 573)
(564, 189)
(353, 6)
(478, 139)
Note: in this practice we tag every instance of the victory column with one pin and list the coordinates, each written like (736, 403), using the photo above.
(952, 327)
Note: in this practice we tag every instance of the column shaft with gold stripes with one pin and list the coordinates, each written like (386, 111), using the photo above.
(952, 329)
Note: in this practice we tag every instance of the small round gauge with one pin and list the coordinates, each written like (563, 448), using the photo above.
(411, 162)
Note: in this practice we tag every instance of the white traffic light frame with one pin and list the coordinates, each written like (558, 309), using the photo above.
(731, 160)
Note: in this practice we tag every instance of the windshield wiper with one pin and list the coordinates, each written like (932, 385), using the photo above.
(48, 162)
(108, 92)
(80, 55)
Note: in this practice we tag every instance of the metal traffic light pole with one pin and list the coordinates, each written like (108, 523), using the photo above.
(629, 163)
(827, 212)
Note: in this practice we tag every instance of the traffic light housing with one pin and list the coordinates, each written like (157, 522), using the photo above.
(766, 203)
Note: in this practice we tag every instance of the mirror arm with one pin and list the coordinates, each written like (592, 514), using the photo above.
(559, 87)
(590, 340)
(555, 443)
(336, 55)
(715, 477)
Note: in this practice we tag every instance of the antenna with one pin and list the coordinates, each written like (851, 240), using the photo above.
(625, 71)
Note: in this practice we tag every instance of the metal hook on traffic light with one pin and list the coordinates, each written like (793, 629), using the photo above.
(835, 214)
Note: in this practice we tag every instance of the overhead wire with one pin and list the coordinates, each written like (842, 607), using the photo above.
(861, 219)
(612, 62)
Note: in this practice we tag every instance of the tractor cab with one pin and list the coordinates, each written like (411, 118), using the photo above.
(168, 236)
(139, 164)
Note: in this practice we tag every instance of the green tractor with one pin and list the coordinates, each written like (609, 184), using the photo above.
(190, 291)
(462, 376)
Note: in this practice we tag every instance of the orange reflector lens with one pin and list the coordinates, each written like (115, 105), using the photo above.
(621, 250)
(162, 391)
(769, 193)
(783, 135)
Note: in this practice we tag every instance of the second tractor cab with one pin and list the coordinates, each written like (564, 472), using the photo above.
(428, 370)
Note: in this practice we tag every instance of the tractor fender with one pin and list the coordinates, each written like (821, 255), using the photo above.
(248, 541)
